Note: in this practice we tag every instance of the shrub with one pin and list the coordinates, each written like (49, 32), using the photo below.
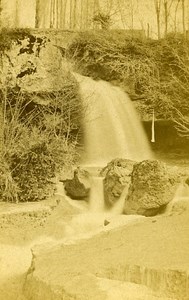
(8, 187)
(156, 71)
(39, 141)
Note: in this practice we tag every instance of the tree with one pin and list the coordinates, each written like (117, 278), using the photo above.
(63, 10)
(37, 16)
(16, 14)
(167, 11)
(183, 18)
(157, 4)
(1, 14)
(175, 15)
(103, 19)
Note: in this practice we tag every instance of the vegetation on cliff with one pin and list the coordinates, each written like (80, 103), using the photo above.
(154, 71)
(39, 132)
(37, 139)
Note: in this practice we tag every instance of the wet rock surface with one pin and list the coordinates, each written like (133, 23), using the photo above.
(148, 253)
(152, 187)
(117, 176)
(79, 186)
(22, 226)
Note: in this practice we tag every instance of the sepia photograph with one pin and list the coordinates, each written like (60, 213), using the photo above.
(94, 149)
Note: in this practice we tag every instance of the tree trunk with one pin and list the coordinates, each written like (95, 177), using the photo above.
(63, 14)
(71, 14)
(158, 19)
(51, 14)
(148, 30)
(87, 15)
(37, 14)
(183, 18)
(74, 13)
(166, 16)
(132, 17)
(96, 10)
(175, 16)
(81, 15)
(1, 14)
(16, 15)
(54, 14)
(57, 13)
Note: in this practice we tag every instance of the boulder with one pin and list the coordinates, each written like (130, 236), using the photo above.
(34, 64)
(117, 176)
(153, 253)
(79, 186)
(152, 187)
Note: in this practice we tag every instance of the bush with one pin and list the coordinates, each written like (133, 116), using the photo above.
(39, 141)
(32, 171)
(156, 71)
(8, 187)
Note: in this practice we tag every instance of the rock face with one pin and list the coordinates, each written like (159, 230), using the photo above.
(79, 186)
(34, 64)
(152, 188)
(117, 176)
(146, 254)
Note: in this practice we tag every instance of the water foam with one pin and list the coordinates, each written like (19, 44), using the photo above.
(111, 125)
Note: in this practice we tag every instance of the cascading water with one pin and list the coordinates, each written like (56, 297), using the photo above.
(97, 192)
(112, 130)
(111, 124)
(181, 195)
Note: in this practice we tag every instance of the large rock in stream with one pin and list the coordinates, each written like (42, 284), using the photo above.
(152, 187)
(117, 175)
(78, 187)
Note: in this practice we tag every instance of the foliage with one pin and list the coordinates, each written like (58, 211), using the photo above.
(103, 19)
(39, 140)
(155, 70)
(32, 170)
(8, 35)
(8, 187)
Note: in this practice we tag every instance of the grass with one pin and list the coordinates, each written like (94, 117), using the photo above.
(38, 141)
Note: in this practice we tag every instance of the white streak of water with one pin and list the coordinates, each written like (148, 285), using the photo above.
(111, 125)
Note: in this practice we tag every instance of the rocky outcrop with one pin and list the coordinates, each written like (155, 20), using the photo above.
(152, 187)
(34, 64)
(146, 254)
(117, 176)
(79, 186)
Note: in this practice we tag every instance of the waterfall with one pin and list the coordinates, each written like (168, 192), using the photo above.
(181, 195)
(97, 194)
(111, 125)
(112, 129)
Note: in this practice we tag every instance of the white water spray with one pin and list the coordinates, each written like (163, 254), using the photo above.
(181, 195)
(112, 130)
(111, 125)
(97, 195)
